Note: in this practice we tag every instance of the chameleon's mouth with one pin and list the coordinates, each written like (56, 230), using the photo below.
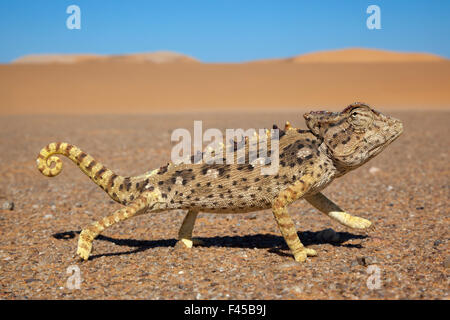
(388, 139)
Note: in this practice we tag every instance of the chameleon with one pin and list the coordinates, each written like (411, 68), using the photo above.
(309, 160)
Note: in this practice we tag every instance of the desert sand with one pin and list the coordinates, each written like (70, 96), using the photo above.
(403, 191)
(164, 82)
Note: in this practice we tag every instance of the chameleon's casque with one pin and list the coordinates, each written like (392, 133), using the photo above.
(309, 160)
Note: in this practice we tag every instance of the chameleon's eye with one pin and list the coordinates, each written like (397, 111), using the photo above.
(360, 118)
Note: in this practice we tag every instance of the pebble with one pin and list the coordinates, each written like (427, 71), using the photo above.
(78, 204)
(447, 262)
(48, 216)
(374, 170)
(366, 261)
(288, 265)
(8, 205)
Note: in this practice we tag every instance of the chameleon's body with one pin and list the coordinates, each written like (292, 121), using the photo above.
(308, 161)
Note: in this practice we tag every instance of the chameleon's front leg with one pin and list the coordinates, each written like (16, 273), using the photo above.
(185, 232)
(327, 206)
(284, 221)
(139, 206)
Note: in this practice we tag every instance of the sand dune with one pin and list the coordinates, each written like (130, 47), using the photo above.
(153, 57)
(358, 55)
(170, 82)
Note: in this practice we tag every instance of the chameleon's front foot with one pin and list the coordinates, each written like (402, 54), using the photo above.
(349, 220)
(84, 245)
(360, 223)
(301, 256)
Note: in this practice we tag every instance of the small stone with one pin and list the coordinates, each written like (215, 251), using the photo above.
(297, 289)
(251, 216)
(390, 188)
(437, 242)
(362, 261)
(8, 205)
(374, 170)
(447, 262)
(78, 204)
(35, 206)
(288, 265)
(370, 260)
(48, 216)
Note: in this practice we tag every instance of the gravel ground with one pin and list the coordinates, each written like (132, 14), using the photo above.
(404, 191)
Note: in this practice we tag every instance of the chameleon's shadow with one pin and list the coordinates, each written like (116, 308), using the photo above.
(274, 243)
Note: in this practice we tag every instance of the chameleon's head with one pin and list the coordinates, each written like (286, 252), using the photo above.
(355, 135)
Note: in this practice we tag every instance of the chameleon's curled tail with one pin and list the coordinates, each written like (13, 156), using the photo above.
(120, 189)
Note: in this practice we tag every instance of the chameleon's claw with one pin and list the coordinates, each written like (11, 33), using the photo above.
(302, 255)
(372, 227)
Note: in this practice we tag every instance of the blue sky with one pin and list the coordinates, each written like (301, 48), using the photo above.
(221, 30)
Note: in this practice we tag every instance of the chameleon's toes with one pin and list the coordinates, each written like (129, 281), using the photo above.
(361, 223)
(311, 252)
(302, 255)
(189, 243)
(84, 250)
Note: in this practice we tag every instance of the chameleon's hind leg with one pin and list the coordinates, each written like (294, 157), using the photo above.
(327, 206)
(140, 205)
(284, 220)
(185, 232)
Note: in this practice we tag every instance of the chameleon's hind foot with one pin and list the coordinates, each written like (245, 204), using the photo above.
(189, 243)
(84, 245)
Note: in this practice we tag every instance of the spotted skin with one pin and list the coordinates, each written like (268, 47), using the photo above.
(309, 160)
